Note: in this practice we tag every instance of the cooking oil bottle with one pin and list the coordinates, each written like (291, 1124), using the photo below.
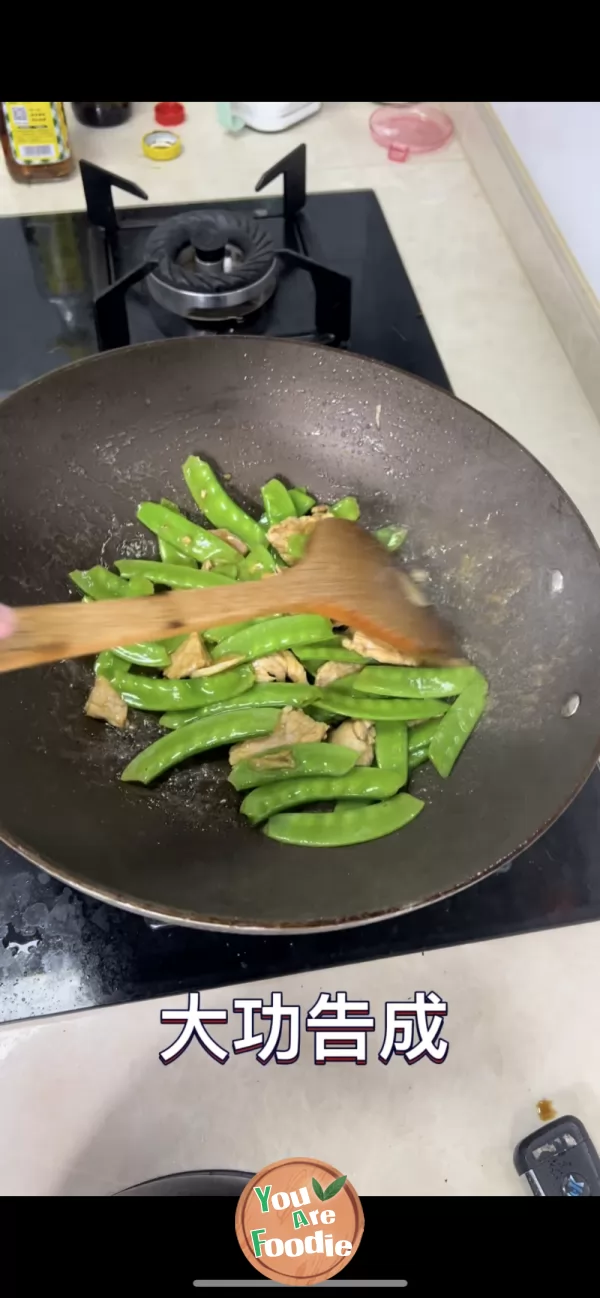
(35, 140)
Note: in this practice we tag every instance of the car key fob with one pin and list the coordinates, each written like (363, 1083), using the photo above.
(559, 1159)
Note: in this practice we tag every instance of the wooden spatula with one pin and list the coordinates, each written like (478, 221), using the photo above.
(345, 574)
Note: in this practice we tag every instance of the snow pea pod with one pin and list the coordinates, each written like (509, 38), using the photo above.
(361, 783)
(391, 537)
(391, 748)
(303, 502)
(100, 584)
(178, 577)
(275, 694)
(348, 704)
(415, 682)
(217, 633)
(419, 739)
(219, 508)
(106, 665)
(153, 695)
(198, 737)
(183, 534)
(304, 759)
(256, 563)
(277, 502)
(329, 651)
(169, 553)
(344, 827)
(275, 633)
(230, 570)
(348, 508)
(455, 728)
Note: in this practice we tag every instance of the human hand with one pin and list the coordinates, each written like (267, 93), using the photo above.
(8, 621)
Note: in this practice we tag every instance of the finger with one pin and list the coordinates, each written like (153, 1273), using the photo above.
(8, 621)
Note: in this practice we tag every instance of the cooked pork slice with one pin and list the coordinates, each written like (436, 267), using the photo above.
(359, 735)
(330, 672)
(382, 653)
(234, 541)
(280, 667)
(104, 703)
(293, 727)
(190, 655)
(280, 534)
(223, 665)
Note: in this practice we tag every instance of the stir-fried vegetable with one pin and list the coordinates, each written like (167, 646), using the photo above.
(309, 716)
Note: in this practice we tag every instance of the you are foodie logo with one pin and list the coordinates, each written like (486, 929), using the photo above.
(299, 1221)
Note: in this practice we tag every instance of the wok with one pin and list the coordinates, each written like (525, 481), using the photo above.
(510, 559)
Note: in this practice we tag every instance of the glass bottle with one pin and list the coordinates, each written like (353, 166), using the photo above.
(94, 112)
(35, 140)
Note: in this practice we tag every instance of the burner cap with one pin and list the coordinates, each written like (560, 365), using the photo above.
(209, 261)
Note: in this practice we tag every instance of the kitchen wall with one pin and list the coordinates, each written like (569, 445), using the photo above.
(559, 144)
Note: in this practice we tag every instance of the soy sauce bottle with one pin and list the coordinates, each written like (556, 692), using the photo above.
(96, 112)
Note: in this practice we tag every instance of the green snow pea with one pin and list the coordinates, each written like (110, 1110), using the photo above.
(347, 508)
(184, 535)
(276, 633)
(100, 584)
(169, 553)
(219, 508)
(360, 783)
(198, 737)
(277, 502)
(228, 570)
(348, 704)
(267, 694)
(356, 803)
(329, 651)
(391, 748)
(256, 563)
(344, 827)
(303, 502)
(391, 537)
(177, 576)
(415, 682)
(150, 653)
(304, 759)
(106, 665)
(453, 732)
(217, 633)
(152, 695)
(419, 739)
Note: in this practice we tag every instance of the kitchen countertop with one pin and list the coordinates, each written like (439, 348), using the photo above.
(502, 356)
(89, 1108)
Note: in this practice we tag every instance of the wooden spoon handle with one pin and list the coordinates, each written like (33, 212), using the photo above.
(47, 632)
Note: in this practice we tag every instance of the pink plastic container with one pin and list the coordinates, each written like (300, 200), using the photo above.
(418, 128)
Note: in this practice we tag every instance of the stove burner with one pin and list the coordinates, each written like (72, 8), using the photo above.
(211, 265)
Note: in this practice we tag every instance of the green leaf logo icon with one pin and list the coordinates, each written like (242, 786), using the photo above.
(318, 1189)
(335, 1187)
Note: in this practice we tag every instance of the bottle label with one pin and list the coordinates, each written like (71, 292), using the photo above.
(37, 133)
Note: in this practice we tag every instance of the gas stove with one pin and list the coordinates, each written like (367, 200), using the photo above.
(322, 267)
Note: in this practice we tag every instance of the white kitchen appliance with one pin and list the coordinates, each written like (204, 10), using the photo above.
(264, 116)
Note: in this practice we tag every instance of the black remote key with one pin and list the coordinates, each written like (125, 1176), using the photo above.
(560, 1159)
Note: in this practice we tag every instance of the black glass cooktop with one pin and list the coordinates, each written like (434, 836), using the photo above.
(58, 949)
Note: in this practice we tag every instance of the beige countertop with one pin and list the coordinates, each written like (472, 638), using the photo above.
(87, 1106)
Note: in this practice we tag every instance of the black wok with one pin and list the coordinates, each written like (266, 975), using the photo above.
(511, 562)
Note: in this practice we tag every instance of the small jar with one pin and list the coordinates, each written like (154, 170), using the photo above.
(93, 112)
